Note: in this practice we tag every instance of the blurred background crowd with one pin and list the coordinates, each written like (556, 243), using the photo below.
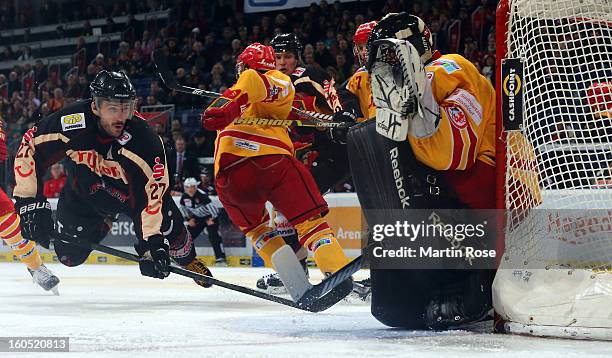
(50, 53)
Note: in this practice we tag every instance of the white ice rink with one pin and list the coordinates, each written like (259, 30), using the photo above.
(111, 311)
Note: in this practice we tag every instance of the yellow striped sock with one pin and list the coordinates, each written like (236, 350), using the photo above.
(24, 249)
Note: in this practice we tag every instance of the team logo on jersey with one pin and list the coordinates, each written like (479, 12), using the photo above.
(449, 66)
(73, 121)
(456, 116)
(298, 71)
(98, 164)
(124, 138)
(158, 169)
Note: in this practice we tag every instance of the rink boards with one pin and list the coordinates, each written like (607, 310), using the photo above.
(344, 218)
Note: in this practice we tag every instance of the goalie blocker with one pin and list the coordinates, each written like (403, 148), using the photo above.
(387, 176)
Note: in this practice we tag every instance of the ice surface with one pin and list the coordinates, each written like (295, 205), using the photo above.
(112, 311)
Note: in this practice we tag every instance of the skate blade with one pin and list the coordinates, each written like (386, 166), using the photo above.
(55, 290)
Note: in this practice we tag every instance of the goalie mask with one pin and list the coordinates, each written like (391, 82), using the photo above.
(403, 26)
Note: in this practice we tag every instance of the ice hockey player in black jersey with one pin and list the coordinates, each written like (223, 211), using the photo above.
(115, 164)
(201, 213)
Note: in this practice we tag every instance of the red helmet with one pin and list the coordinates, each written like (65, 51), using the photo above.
(361, 39)
(599, 96)
(362, 33)
(257, 57)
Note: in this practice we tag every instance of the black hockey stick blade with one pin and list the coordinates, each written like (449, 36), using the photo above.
(335, 287)
(312, 305)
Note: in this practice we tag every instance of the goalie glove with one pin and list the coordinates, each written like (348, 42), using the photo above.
(401, 91)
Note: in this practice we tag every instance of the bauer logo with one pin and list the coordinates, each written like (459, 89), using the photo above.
(512, 93)
(73, 121)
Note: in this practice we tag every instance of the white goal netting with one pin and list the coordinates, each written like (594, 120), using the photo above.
(557, 266)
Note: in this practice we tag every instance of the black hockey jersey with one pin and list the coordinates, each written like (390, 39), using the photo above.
(126, 174)
(310, 94)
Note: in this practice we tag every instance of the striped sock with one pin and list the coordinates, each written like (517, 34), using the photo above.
(24, 249)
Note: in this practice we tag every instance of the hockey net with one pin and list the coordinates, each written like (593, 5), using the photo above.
(555, 278)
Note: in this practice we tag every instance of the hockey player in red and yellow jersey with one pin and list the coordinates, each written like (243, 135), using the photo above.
(430, 147)
(10, 232)
(357, 94)
(255, 163)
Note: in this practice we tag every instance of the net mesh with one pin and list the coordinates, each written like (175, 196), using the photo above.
(562, 157)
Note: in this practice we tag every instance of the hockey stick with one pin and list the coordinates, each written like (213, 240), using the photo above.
(308, 119)
(319, 298)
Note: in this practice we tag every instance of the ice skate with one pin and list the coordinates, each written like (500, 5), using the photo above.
(44, 278)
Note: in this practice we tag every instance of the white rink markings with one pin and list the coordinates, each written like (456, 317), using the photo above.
(111, 311)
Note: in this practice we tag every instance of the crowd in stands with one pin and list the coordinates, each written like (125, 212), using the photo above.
(202, 39)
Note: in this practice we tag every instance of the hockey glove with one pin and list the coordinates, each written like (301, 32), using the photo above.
(155, 256)
(338, 135)
(36, 221)
(398, 84)
(224, 110)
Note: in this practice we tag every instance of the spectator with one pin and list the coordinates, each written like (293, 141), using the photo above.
(25, 54)
(40, 71)
(14, 85)
(98, 63)
(84, 84)
(57, 102)
(199, 146)
(181, 164)
(159, 94)
(73, 89)
(54, 185)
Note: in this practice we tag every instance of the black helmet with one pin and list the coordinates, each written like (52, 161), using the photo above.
(113, 86)
(287, 43)
(402, 26)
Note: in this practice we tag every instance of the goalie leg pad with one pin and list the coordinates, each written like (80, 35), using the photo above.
(430, 299)
(387, 175)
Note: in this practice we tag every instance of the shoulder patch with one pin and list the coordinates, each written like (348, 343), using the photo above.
(124, 138)
(469, 102)
(456, 116)
(449, 66)
(298, 71)
(73, 121)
